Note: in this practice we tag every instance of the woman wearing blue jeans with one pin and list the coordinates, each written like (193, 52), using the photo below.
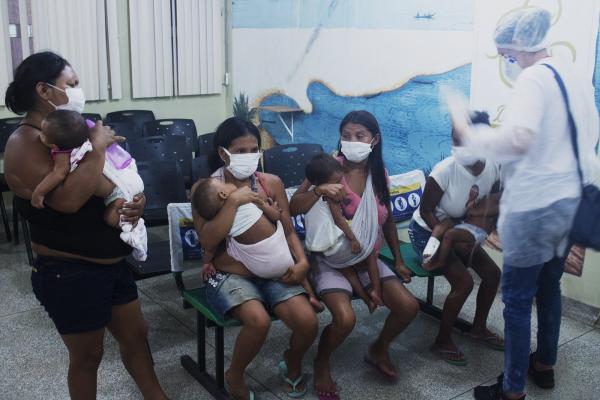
(541, 191)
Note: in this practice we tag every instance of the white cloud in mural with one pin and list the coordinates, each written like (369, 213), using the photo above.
(350, 61)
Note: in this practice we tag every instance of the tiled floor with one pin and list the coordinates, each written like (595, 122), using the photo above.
(33, 360)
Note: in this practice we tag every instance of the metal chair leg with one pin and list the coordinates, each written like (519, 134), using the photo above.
(15, 214)
(5, 218)
(214, 386)
(27, 239)
(220, 357)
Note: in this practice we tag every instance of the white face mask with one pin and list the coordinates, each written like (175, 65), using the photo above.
(463, 156)
(242, 166)
(76, 99)
(356, 151)
(512, 69)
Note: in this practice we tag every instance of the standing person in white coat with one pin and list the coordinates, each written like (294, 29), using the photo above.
(542, 189)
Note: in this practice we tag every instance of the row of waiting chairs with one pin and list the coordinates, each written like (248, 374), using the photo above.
(135, 124)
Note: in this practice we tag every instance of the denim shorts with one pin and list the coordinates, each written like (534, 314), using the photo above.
(224, 292)
(78, 295)
(479, 235)
(419, 237)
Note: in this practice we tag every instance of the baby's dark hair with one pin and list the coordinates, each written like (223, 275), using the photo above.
(480, 117)
(205, 199)
(66, 129)
(320, 168)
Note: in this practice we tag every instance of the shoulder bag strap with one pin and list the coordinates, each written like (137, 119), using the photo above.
(572, 126)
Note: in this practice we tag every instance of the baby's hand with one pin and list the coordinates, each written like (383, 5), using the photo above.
(271, 209)
(471, 204)
(37, 200)
(208, 270)
(355, 246)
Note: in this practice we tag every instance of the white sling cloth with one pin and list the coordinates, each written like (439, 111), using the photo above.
(365, 226)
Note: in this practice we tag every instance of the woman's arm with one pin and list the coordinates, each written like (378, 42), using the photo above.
(391, 237)
(213, 232)
(27, 162)
(221, 260)
(432, 195)
(81, 184)
(303, 200)
(52, 180)
(300, 269)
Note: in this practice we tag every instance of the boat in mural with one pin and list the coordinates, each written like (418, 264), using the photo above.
(425, 16)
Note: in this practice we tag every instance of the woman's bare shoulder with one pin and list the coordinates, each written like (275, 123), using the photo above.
(26, 159)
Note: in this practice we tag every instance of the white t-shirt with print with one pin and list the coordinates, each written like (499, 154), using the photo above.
(456, 182)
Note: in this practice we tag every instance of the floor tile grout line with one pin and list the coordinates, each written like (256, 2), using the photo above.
(575, 338)
(20, 312)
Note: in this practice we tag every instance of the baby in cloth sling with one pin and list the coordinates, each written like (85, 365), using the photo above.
(479, 222)
(67, 134)
(329, 233)
(256, 238)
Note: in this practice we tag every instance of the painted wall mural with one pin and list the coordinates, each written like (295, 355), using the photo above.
(326, 58)
(329, 57)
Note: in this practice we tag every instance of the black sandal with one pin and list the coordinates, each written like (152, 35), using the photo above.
(543, 379)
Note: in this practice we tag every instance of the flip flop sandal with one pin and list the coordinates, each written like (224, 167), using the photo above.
(445, 355)
(492, 341)
(295, 393)
(333, 396)
(382, 372)
(250, 392)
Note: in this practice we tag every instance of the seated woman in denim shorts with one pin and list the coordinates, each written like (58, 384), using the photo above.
(232, 291)
(445, 197)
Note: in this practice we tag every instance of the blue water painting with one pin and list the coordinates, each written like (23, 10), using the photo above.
(415, 127)
(440, 15)
(597, 72)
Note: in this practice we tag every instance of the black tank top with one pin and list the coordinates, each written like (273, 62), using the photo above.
(83, 233)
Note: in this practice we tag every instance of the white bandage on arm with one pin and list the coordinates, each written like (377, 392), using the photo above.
(506, 143)
(430, 249)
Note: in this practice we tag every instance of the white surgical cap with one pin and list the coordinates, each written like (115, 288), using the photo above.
(524, 29)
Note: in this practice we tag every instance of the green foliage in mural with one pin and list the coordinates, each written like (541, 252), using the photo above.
(241, 108)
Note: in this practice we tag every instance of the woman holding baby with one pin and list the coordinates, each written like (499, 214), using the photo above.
(364, 181)
(233, 290)
(80, 274)
(454, 184)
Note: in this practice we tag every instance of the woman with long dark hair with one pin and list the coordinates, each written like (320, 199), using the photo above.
(361, 158)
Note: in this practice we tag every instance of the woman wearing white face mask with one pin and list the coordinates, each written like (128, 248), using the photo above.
(362, 162)
(80, 274)
(444, 203)
(75, 99)
(542, 190)
(233, 291)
